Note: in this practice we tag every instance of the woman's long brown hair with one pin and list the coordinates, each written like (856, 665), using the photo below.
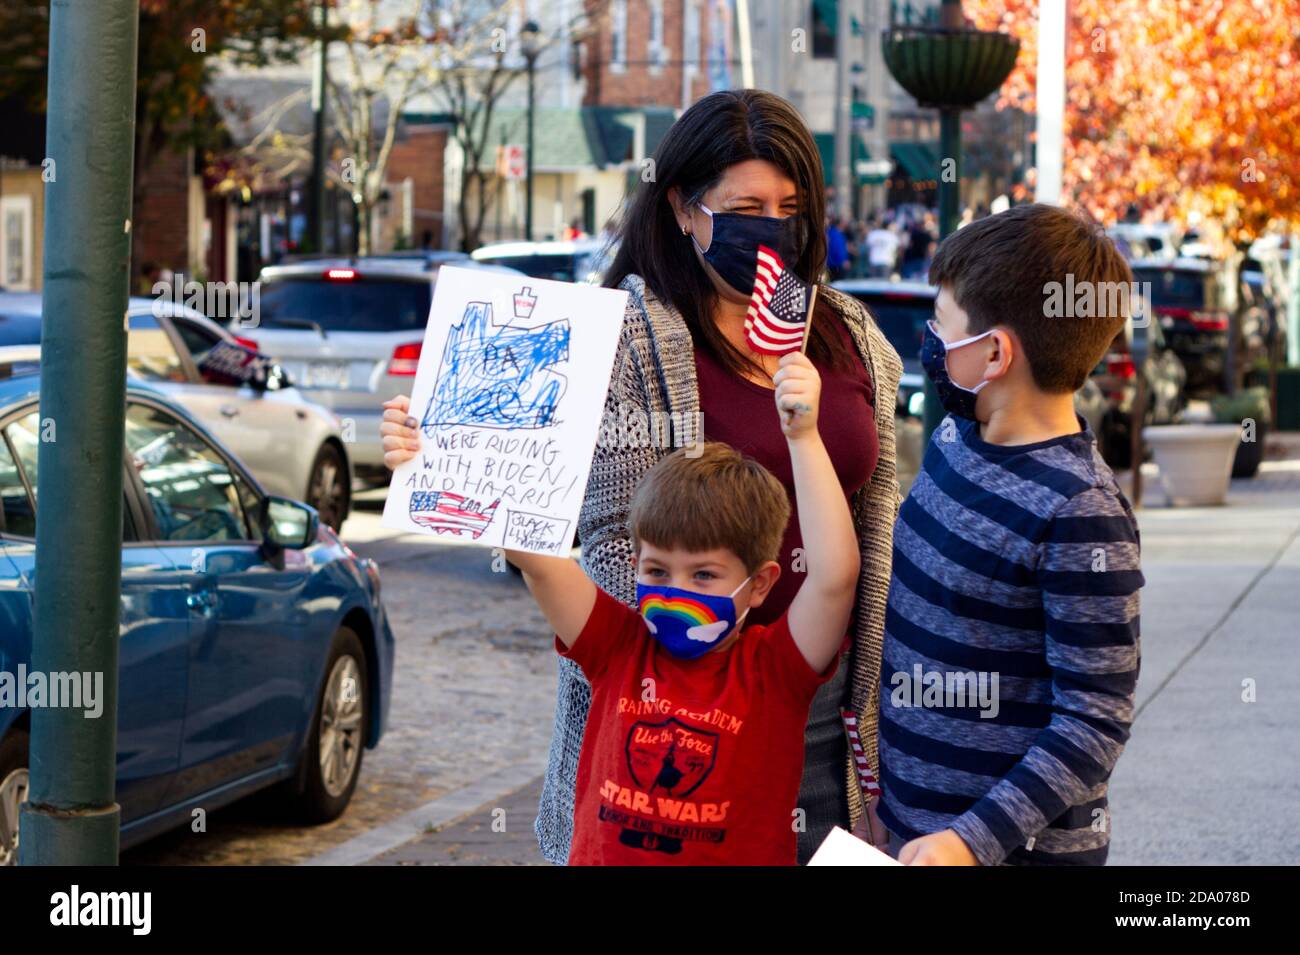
(717, 132)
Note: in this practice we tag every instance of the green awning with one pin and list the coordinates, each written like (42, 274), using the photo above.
(917, 160)
(826, 147)
(828, 11)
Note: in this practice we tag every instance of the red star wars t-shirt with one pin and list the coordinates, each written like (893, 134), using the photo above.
(689, 762)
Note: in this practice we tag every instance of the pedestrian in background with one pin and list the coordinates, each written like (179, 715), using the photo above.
(837, 250)
(882, 249)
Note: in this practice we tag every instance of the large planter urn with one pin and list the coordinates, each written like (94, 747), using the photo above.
(947, 68)
(1195, 460)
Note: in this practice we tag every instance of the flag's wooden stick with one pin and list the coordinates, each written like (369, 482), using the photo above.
(807, 324)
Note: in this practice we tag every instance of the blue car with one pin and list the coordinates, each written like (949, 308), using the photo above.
(255, 651)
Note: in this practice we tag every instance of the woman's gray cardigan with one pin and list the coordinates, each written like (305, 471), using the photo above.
(653, 383)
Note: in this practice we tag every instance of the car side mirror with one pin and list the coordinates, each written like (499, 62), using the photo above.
(286, 524)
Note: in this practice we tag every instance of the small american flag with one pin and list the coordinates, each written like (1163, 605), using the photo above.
(778, 310)
(870, 788)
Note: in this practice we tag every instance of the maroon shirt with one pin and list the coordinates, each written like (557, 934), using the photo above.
(743, 414)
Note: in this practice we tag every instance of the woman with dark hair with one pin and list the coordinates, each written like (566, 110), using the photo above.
(738, 169)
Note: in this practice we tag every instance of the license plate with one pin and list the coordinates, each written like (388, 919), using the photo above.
(325, 374)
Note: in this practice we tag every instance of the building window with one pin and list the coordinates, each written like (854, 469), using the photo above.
(825, 13)
(16, 243)
(691, 41)
(655, 41)
(618, 36)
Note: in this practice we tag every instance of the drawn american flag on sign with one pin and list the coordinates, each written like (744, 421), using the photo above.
(449, 513)
(774, 324)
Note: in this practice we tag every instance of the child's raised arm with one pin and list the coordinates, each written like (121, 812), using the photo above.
(565, 594)
(819, 614)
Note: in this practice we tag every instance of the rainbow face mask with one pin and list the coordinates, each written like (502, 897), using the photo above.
(687, 624)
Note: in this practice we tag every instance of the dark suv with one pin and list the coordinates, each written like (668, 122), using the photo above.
(1191, 300)
(1117, 376)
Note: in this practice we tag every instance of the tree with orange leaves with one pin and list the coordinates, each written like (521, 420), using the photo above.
(1181, 107)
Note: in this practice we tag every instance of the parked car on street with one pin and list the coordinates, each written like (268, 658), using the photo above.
(579, 260)
(255, 650)
(295, 446)
(1157, 240)
(349, 334)
(1189, 300)
(429, 258)
(1117, 375)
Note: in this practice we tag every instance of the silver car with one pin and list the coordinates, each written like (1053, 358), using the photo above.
(294, 447)
(349, 333)
(575, 260)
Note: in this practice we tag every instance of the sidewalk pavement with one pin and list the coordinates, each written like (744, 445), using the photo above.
(1211, 774)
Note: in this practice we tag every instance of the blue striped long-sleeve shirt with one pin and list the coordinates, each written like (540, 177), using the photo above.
(1011, 648)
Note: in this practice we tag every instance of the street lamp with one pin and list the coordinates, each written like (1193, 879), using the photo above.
(528, 43)
(316, 205)
(950, 67)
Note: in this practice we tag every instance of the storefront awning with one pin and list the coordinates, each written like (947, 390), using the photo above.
(826, 147)
(919, 161)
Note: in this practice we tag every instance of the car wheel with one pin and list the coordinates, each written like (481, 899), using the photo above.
(13, 792)
(327, 489)
(338, 733)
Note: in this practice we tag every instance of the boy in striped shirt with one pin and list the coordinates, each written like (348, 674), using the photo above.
(1011, 633)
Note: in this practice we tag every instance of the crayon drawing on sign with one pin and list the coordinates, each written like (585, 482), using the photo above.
(500, 375)
(511, 389)
(447, 513)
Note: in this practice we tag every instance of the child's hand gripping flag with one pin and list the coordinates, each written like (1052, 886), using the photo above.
(777, 321)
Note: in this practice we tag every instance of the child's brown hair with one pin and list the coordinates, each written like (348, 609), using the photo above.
(999, 270)
(718, 498)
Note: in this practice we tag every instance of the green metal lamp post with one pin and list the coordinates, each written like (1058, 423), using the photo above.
(950, 68)
(529, 39)
(71, 817)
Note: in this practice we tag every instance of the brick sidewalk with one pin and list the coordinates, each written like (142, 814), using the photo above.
(471, 839)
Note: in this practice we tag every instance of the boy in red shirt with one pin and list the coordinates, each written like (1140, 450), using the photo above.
(694, 744)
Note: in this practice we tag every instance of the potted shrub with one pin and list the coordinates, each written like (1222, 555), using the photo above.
(1195, 460)
(1249, 410)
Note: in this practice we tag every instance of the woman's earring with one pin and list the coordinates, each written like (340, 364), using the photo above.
(684, 232)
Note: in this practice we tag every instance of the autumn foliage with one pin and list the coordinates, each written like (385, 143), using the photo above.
(1178, 106)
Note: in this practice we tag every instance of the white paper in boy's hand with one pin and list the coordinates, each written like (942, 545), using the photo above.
(843, 848)
(509, 395)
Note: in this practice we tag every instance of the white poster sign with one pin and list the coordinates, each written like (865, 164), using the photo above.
(508, 397)
(841, 847)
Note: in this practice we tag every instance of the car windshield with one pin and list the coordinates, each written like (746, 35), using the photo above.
(1178, 288)
(902, 319)
(355, 305)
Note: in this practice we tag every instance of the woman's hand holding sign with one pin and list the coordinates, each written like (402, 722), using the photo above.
(400, 438)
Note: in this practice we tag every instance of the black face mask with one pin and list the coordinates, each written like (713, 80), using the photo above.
(733, 250)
